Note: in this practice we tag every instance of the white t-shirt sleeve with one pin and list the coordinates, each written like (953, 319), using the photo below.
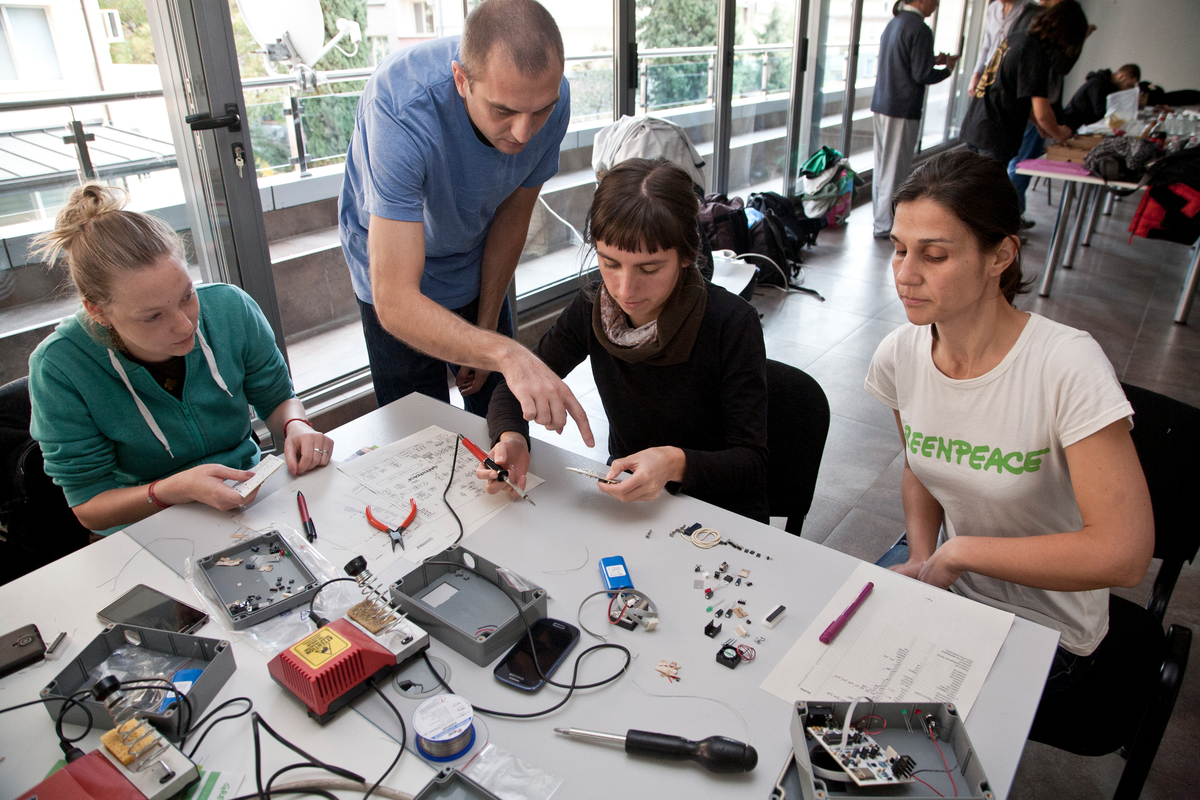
(1085, 395)
(881, 376)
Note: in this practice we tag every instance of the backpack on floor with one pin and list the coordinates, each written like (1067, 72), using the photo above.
(724, 223)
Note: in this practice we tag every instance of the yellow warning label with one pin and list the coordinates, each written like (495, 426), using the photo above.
(321, 647)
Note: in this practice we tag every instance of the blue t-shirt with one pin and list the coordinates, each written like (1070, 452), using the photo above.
(414, 157)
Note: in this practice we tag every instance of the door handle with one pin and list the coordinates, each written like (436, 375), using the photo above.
(207, 122)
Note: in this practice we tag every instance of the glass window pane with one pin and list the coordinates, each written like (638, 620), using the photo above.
(876, 14)
(947, 39)
(832, 58)
(762, 75)
(133, 149)
(32, 43)
(8, 70)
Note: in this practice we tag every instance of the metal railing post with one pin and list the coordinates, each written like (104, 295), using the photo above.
(80, 140)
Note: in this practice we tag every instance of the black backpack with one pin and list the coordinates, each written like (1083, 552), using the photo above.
(780, 235)
(36, 524)
(724, 223)
(769, 238)
(802, 231)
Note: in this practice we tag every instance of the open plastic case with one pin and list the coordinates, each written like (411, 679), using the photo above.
(467, 613)
(450, 784)
(902, 728)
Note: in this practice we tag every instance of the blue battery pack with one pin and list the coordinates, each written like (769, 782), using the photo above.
(614, 573)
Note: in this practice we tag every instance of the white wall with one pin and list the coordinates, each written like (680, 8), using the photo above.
(1161, 36)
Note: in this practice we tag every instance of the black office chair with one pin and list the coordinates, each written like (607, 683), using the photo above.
(797, 424)
(1126, 698)
(36, 524)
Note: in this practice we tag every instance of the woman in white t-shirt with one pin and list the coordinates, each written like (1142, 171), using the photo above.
(1022, 488)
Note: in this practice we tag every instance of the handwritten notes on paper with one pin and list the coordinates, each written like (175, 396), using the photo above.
(908, 642)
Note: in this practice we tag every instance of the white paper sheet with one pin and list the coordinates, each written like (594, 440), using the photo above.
(908, 642)
(415, 467)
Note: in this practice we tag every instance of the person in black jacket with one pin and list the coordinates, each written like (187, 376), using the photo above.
(679, 362)
(1090, 102)
(1016, 83)
(906, 66)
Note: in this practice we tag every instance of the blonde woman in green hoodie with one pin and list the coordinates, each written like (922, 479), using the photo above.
(141, 399)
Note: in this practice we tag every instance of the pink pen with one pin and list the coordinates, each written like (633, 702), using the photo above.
(836, 626)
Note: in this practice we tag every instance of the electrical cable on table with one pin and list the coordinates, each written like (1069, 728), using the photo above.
(571, 687)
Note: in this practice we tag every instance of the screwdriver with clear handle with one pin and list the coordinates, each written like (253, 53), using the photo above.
(716, 753)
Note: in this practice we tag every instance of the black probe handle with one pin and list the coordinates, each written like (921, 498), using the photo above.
(716, 753)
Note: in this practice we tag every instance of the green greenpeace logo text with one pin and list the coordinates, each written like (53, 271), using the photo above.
(982, 456)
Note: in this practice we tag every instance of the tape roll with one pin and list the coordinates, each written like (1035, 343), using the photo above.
(444, 727)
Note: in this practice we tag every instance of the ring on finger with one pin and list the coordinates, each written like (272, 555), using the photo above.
(319, 450)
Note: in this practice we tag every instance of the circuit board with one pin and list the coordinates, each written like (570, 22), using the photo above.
(862, 758)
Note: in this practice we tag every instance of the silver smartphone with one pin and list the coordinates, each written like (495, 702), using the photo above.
(150, 608)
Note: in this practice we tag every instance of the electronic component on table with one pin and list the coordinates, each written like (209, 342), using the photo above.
(396, 533)
(633, 608)
(149, 608)
(615, 574)
(501, 473)
(716, 753)
(552, 639)
(599, 476)
(20, 648)
(773, 617)
(257, 579)
(862, 758)
(887, 744)
(333, 665)
(729, 656)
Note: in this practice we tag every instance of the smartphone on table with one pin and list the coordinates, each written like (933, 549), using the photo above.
(150, 608)
(554, 639)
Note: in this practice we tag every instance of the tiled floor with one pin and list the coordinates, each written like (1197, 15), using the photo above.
(1123, 294)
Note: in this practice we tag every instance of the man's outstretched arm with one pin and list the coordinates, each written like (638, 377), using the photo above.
(396, 251)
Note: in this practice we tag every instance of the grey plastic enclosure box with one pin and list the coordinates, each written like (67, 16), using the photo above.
(450, 784)
(471, 615)
(906, 732)
(213, 656)
(234, 585)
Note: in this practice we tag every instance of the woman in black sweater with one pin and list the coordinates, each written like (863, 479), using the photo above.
(679, 362)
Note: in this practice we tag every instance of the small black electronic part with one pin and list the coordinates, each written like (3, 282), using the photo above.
(902, 767)
(698, 568)
(749, 583)
(728, 578)
(728, 655)
(708, 593)
(774, 616)
(712, 629)
(738, 582)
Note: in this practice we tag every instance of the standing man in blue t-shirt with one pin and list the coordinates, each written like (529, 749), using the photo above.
(452, 142)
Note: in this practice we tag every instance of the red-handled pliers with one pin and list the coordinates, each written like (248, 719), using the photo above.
(501, 473)
(397, 534)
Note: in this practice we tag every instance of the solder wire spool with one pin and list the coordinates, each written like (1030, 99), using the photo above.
(444, 727)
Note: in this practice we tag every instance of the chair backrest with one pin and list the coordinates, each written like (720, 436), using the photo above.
(1166, 433)
(39, 525)
(797, 424)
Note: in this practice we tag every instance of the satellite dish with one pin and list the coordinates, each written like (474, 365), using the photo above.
(293, 31)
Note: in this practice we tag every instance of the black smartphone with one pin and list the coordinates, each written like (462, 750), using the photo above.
(150, 608)
(554, 639)
(20, 648)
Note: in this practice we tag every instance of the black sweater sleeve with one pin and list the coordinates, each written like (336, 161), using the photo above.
(730, 476)
(562, 348)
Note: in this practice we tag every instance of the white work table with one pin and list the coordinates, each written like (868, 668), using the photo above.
(573, 524)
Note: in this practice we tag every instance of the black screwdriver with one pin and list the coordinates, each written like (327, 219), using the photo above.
(716, 753)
